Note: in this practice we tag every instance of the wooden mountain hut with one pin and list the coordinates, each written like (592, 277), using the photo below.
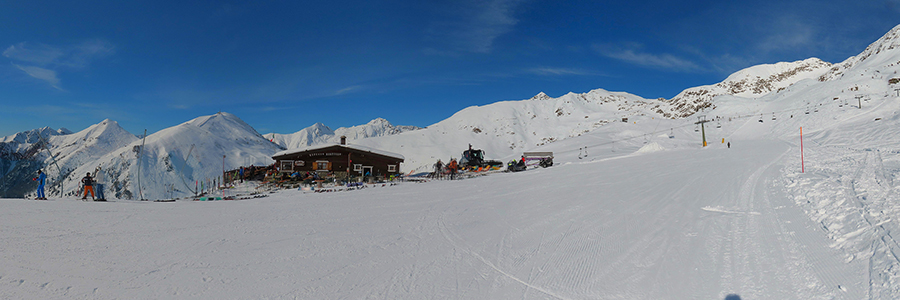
(341, 159)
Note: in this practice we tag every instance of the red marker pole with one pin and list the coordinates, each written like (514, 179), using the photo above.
(802, 169)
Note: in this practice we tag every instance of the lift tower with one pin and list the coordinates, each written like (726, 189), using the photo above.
(702, 120)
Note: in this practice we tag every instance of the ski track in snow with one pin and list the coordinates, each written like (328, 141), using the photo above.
(676, 227)
(632, 216)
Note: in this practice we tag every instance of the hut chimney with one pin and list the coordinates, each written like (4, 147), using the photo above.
(343, 140)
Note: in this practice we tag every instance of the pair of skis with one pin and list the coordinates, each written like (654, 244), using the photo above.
(86, 200)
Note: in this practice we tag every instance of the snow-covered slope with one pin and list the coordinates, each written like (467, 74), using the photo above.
(506, 129)
(887, 44)
(19, 158)
(663, 225)
(632, 210)
(70, 151)
(31, 136)
(167, 171)
(752, 82)
(320, 134)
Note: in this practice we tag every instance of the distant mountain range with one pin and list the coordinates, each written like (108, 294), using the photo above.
(319, 133)
(176, 159)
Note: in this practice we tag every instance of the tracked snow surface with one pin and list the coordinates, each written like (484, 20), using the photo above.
(631, 210)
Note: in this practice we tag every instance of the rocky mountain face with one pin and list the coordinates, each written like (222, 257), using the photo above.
(752, 82)
(58, 154)
(876, 54)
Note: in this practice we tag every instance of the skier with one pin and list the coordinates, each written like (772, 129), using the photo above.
(241, 171)
(438, 167)
(88, 186)
(452, 166)
(729, 145)
(41, 179)
(98, 186)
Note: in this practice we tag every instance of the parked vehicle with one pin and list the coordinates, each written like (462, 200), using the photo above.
(473, 159)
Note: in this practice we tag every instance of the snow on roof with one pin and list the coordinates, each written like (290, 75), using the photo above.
(354, 147)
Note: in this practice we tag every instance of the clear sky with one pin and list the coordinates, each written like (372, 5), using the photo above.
(285, 65)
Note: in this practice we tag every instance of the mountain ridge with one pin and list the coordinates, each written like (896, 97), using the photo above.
(197, 149)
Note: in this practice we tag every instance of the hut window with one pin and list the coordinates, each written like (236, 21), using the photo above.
(357, 167)
(322, 165)
(392, 168)
(287, 165)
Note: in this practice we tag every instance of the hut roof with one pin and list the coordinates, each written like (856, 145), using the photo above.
(352, 147)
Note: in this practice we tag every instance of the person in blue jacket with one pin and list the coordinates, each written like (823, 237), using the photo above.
(41, 179)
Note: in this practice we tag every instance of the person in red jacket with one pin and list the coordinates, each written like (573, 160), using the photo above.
(452, 166)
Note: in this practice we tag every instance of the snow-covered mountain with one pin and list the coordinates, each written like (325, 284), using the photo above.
(165, 168)
(504, 129)
(175, 158)
(25, 153)
(32, 136)
(878, 54)
(320, 134)
(634, 209)
(752, 82)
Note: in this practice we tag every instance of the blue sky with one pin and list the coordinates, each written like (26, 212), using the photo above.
(284, 65)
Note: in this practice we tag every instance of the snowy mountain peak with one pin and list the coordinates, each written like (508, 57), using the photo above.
(761, 79)
(319, 129)
(752, 82)
(105, 130)
(540, 96)
(379, 121)
(319, 133)
(191, 151)
(221, 123)
(883, 52)
(34, 135)
(889, 41)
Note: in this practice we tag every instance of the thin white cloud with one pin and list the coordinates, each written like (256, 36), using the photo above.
(44, 61)
(81, 55)
(40, 73)
(474, 25)
(73, 56)
(788, 33)
(632, 54)
(347, 90)
(35, 54)
(557, 71)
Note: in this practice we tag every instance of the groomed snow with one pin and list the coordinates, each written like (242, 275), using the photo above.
(631, 210)
(678, 224)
